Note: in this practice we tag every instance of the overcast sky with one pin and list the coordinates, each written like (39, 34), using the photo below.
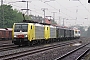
(69, 9)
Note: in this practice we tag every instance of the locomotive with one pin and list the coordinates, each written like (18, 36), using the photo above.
(27, 33)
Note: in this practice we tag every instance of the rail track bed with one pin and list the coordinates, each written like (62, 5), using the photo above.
(5, 42)
(26, 51)
(75, 54)
(86, 56)
(51, 54)
(50, 51)
(8, 47)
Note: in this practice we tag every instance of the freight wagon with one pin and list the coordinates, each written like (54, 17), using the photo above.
(5, 33)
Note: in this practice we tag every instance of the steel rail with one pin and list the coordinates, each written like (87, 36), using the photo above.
(33, 51)
(68, 53)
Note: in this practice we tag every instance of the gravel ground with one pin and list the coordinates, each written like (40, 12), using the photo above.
(46, 55)
(87, 56)
(50, 54)
(5, 42)
(53, 53)
(22, 49)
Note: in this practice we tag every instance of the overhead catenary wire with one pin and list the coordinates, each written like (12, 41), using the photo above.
(48, 10)
(76, 6)
(36, 11)
(63, 7)
(58, 9)
(69, 10)
(84, 6)
(54, 8)
(39, 6)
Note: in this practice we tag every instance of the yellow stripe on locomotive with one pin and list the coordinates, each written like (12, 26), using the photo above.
(13, 32)
(31, 32)
(47, 32)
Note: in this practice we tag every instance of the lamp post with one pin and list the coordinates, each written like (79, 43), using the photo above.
(27, 6)
(49, 16)
(46, 8)
(63, 21)
(86, 19)
(54, 15)
(43, 9)
(48, 1)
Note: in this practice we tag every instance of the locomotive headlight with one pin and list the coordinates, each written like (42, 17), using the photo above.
(15, 36)
(25, 35)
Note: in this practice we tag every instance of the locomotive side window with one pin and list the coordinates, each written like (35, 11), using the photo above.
(75, 31)
(47, 28)
(31, 27)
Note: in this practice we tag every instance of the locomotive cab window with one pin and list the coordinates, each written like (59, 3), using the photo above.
(22, 27)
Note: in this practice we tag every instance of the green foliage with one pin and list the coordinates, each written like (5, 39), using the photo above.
(8, 16)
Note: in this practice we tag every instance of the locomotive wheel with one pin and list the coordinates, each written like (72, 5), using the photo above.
(20, 45)
(29, 44)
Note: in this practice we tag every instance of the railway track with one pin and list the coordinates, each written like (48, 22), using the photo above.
(19, 54)
(6, 47)
(75, 54)
(5, 42)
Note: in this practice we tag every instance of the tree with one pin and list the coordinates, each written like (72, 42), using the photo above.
(10, 16)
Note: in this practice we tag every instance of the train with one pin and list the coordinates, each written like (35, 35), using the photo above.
(5, 33)
(32, 33)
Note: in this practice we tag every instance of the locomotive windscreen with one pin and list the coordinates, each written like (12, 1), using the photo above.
(21, 27)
